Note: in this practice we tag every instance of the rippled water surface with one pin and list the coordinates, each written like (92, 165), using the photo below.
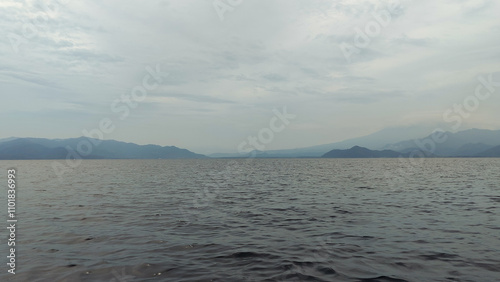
(257, 220)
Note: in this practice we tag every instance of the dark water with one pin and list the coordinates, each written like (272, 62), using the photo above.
(257, 220)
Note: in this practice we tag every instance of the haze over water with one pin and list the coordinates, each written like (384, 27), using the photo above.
(258, 220)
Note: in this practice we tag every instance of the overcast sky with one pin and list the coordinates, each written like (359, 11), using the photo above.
(230, 63)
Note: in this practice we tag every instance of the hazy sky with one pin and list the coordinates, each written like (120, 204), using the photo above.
(231, 62)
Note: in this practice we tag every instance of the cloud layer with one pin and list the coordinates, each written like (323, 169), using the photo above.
(62, 65)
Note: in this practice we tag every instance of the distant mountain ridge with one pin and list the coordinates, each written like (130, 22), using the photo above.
(467, 143)
(491, 153)
(361, 152)
(472, 149)
(40, 148)
(374, 141)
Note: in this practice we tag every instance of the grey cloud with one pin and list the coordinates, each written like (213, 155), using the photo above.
(421, 42)
(30, 78)
(264, 54)
(355, 97)
(88, 55)
(193, 97)
(274, 77)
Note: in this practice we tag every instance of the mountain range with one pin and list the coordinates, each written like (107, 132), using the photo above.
(491, 153)
(386, 143)
(39, 148)
(467, 143)
(360, 152)
(374, 141)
